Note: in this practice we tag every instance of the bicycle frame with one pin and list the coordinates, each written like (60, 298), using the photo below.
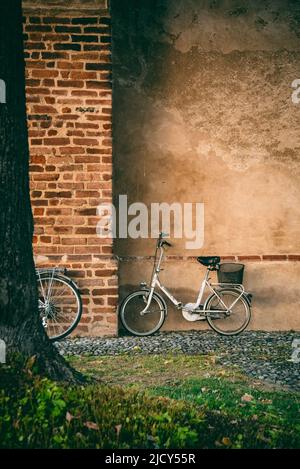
(205, 284)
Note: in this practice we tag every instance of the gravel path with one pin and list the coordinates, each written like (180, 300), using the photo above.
(263, 355)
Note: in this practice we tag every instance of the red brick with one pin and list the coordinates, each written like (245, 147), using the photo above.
(104, 273)
(94, 151)
(59, 211)
(48, 82)
(44, 221)
(46, 239)
(38, 28)
(81, 328)
(57, 141)
(82, 125)
(87, 194)
(67, 46)
(98, 66)
(39, 203)
(86, 231)
(97, 29)
(59, 195)
(67, 29)
(45, 177)
(249, 258)
(56, 20)
(36, 168)
(63, 229)
(71, 83)
(105, 291)
(38, 73)
(113, 301)
(31, 82)
(102, 85)
(55, 55)
(85, 20)
(275, 257)
(70, 65)
(98, 317)
(76, 75)
(98, 301)
(35, 45)
(85, 38)
(49, 100)
(86, 141)
(71, 153)
(43, 109)
(97, 118)
(83, 93)
(34, 19)
(73, 241)
(38, 91)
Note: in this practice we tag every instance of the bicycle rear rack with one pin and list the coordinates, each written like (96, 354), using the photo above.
(53, 270)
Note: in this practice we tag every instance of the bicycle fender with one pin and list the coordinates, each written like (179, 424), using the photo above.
(248, 297)
(160, 298)
(68, 279)
(62, 277)
(163, 302)
(154, 294)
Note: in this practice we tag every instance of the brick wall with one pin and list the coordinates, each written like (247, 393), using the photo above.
(68, 66)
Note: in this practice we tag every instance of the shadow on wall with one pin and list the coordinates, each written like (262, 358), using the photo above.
(203, 113)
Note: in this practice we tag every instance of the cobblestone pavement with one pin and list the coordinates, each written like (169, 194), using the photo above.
(263, 355)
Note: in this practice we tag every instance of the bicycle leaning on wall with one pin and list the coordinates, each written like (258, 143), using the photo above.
(60, 304)
(227, 309)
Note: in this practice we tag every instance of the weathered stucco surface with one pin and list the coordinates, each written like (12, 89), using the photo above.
(203, 113)
(275, 305)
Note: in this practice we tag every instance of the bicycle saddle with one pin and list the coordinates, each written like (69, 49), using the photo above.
(209, 261)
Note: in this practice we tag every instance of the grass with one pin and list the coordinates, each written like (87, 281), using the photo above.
(165, 401)
(204, 383)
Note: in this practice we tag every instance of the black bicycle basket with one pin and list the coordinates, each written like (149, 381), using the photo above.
(231, 273)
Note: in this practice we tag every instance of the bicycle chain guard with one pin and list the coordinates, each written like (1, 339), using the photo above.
(190, 313)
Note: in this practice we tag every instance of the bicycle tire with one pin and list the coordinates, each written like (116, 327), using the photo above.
(68, 283)
(242, 299)
(136, 319)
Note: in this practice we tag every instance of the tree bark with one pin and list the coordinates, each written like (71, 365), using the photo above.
(20, 325)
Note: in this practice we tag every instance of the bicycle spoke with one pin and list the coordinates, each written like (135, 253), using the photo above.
(61, 294)
(61, 308)
(139, 323)
(42, 287)
(236, 316)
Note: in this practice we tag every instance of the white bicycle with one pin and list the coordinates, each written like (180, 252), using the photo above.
(227, 310)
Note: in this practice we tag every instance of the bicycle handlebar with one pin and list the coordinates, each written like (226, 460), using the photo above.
(163, 235)
(162, 242)
(167, 243)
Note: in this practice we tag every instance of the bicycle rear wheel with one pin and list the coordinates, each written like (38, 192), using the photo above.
(233, 318)
(148, 323)
(60, 305)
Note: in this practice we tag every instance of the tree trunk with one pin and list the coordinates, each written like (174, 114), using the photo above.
(20, 325)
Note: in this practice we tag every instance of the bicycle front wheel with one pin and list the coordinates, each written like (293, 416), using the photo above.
(60, 305)
(142, 324)
(229, 314)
